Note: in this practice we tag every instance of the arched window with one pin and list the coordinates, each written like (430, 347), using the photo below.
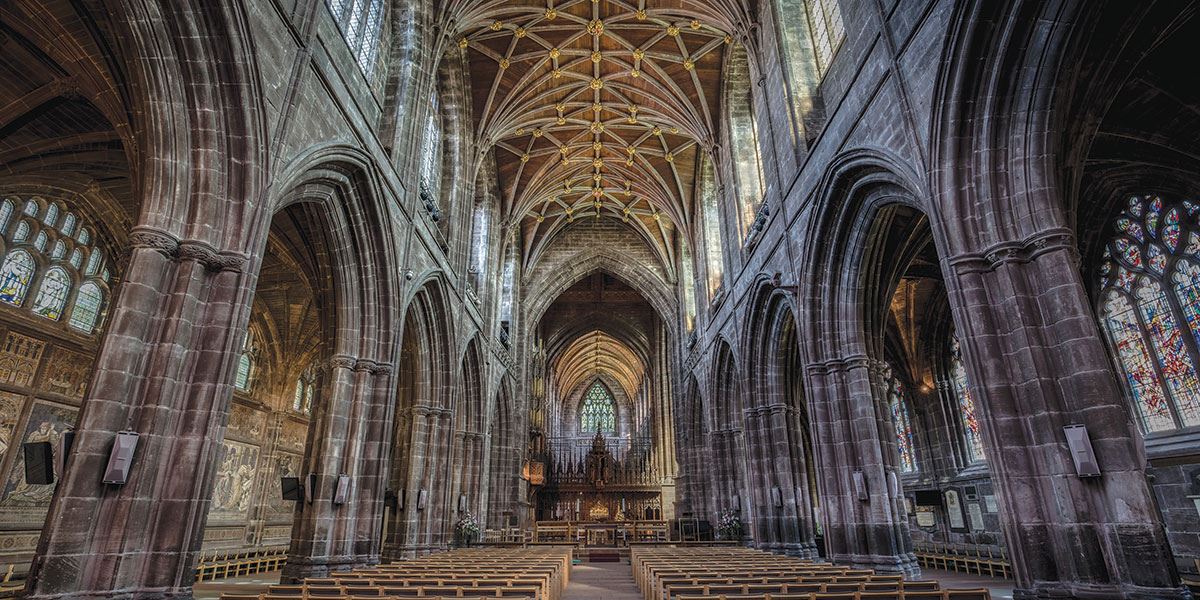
(481, 226)
(361, 22)
(598, 413)
(15, 275)
(902, 421)
(972, 440)
(245, 367)
(687, 280)
(306, 386)
(1150, 309)
(52, 295)
(743, 138)
(64, 283)
(828, 31)
(713, 247)
(86, 312)
(431, 160)
(799, 63)
(6, 211)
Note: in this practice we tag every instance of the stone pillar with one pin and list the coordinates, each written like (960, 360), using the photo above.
(327, 536)
(1037, 363)
(796, 534)
(863, 527)
(164, 370)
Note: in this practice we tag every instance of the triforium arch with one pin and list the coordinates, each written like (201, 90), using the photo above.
(1062, 70)
(778, 426)
(864, 513)
(424, 418)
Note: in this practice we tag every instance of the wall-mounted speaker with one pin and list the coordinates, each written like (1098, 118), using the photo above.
(462, 503)
(860, 486)
(1080, 444)
(422, 498)
(310, 487)
(65, 441)
(39, 463)
(291, 488)
(390, 500)
(341, 490)
(120, 459)
(777, 497)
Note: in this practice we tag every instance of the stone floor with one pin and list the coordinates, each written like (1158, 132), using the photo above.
(251, 584)
(1002, 589)
(602, 581)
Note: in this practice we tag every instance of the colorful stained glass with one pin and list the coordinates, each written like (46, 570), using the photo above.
(1167, 341)
(41, 240)
(52, 295)
(966, 404)
(1156, 258)
(1130, 253)
(93, 263)
(902, 422)
(1150, 399)
(31, 208)
(1125, 278)
(1153, 212)
(59, 251)
(598, 413)
(15, 275)
(22, 232)
(51, 215)
(84, 236)
(76, 258)
(68, 225)
(1132, 228)
(1191, 207)
(86, 312)
(1135, 206)
(1187, 292)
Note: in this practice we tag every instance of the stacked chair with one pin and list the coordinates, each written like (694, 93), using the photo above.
(474, 574)
(693, 573)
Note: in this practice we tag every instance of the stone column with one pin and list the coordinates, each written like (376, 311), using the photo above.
(863, 527)
(328, 536)
(1037, 363)
(164, 370)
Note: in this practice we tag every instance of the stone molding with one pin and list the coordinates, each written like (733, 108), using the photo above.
(1016, 252)
(172, 247)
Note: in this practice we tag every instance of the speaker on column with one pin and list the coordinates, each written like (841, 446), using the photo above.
(120, 459)
(39, 463)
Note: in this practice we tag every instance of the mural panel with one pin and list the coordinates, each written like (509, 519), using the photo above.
(234, 489)
(19, 359)
(293, 435)
(24, 502)
(10, 412)
(246, 423)
(66, 373)
(285, 465)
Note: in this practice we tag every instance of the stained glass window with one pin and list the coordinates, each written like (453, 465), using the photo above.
(431, 161)
(245, 367)
(1150, 309)
(63, 283)
(15, 275)
(86, 312)
(973, 440)
(902, 422)
(306, 385)
(599, 413)
(6, 211)
(52, 295)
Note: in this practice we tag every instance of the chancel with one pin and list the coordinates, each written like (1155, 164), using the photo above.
(564, 299)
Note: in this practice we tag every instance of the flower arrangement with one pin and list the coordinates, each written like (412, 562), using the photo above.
(729, 526)
(466, 528)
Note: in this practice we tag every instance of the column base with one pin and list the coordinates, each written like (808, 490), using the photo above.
(1068, 591)
(905, 564)
(299, 568)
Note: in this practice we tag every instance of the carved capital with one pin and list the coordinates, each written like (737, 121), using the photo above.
(342, 361)
(154, 239)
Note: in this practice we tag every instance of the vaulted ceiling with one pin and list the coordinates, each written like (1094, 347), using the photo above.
(596, 108)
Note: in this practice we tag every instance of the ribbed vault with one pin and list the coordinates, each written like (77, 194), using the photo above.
(595, 353)
(595, 108)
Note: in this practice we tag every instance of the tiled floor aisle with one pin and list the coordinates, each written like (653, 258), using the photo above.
(602, 581)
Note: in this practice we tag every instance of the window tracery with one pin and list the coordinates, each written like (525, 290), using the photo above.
(245, 367)
(902, 421)
(54, 279)
(305, 390)
(598, 413)
(972, 439)
(361, 24)
(1150, 309)
(826, 28)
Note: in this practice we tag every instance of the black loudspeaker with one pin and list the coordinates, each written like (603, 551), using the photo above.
(292, 490)
(927, 498)
(39, 463)
(391, 500)
(63, 451)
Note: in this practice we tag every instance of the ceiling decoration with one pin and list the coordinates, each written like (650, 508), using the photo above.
(595, 108)
(595, 353)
